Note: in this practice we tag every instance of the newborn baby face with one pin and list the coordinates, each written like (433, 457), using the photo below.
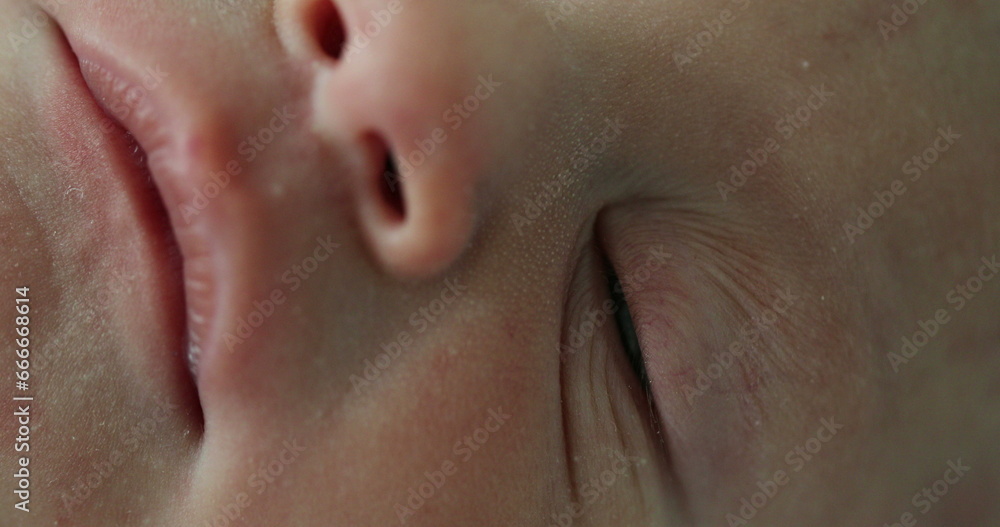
(500, 262)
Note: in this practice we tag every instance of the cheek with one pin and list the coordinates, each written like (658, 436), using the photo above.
(459, 429)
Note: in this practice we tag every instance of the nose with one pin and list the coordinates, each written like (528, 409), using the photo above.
(399, 87)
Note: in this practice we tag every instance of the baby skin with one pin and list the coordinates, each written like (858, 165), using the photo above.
(443, 263)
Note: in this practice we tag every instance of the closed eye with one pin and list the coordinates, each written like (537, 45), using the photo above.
(626, 330)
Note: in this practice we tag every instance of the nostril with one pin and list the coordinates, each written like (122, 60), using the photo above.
(328, 28)
(390, 188)
(386, 183)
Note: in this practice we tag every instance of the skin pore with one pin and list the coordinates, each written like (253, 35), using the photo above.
(796, 198)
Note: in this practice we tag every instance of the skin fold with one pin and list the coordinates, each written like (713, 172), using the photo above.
(797, 199)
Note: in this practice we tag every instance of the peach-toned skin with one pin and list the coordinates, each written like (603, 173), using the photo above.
(447, 354)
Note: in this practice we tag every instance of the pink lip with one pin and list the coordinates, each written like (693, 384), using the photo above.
(136, 100)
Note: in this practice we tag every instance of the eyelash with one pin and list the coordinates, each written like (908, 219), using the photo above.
(626, 329)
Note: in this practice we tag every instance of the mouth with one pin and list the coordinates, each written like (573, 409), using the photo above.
(138, 152)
